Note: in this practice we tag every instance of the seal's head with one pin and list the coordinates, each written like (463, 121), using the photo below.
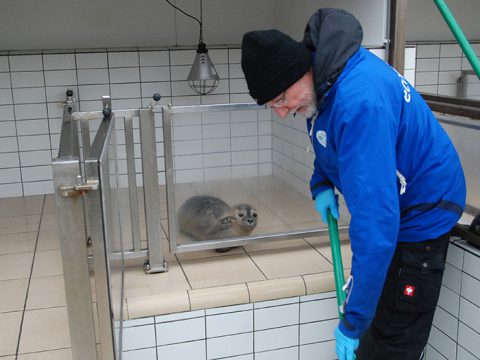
(246, 218)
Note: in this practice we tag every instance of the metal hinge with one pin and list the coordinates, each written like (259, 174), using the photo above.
(80, 189)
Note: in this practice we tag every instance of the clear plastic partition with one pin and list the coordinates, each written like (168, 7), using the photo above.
(227, 185)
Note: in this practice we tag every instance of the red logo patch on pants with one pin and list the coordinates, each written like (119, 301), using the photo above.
(409, 290)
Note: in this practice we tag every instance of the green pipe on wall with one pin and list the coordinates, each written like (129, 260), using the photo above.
(459, 35)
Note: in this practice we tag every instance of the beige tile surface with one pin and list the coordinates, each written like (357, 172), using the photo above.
(218, 296)
(46, 291)
(15, 266)
(276, 289)
(326, 251)
(13, 294)
(138, 284)
(290, 262)
(275, 245)
(48, 240)
(223, 270)
(208, 254)
(62, 354)
(9, 330)
(149, 305)
(47, 263)
(17, 243)
(19, 224)
(45, 329)
(20, 206)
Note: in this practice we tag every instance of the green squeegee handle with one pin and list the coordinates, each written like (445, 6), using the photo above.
(337, 261)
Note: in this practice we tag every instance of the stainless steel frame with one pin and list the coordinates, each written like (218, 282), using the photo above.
(175, 247)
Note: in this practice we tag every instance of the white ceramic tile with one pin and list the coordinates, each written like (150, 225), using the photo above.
(317, 331)
(218, 56)
(157, 73)
(240, 171)
(37, 188)
(92, 76)
(229, 324)
(282, 354)
(150, 88)
(238, 86)
(186, 176)
(229, 309)
(265, 169)
(154, 58)
(10, 190)
(452, 278)
(449, 301)
(311, 351)
(215, 99)
(276, 338)
(25, 62)
(194, 350)
(124, 75)
(139, 322)
(30, 111)
(447, 90)
(8, 144)
(450, 64)
(29, 95)
(318, 310)
(229, 346)
(469, 339)
(380, 53)
(277, 316)
(182, 57)
(126, 104)
(442, 343)
(181, 88)
(216, 145)
(187, 133)
(187, 147)
(410, 53)
(180, 316)
(60, 77)
(39, 142)
(4, 63)
(123, 59)
(446, 322)
(426, 78)
(138, 337)
(216, 160)
(432, 354)
(10, 175)
(185, 100)
(57, 94)
(448, 77)
(6, 97)
(27, 79)
(249, 116)
(234, 55)
(235, 71)
(91, 60)
(428, 51)
(463, 354)
(218, 173)
(32, 127)
(216, 131)
(470, 314)
(36, 173)
(470, 289)
(144, 354)
(92, 92)
(180, 72)
(9, 160)
(6, 112)
(125, 91)
(7, 128)
(450, 50)
(188, 162)
(244, 129)
(265, 142)
(429, 64)
(58, 61)
(471, 265)
(180, 331)
(241, 357)
(429, 89)
(245, 143)
(245, 157)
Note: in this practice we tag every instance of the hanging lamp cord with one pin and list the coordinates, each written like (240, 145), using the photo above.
(193, 17)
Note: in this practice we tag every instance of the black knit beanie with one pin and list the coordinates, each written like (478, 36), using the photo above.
(272, 61)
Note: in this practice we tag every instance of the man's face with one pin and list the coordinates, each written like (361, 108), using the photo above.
(300, 97)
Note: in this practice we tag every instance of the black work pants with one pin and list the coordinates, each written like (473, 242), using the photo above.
(404, 315)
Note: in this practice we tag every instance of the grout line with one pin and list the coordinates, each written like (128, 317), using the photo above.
(30, 278)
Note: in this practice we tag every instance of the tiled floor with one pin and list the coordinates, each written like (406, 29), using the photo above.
(33, 314)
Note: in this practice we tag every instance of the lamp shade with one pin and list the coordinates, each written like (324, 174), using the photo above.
(203, 77)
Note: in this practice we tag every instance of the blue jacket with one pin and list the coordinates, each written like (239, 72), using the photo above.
(379, 144)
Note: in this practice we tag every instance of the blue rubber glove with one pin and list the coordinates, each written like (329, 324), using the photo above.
(345, 345)
(324, 201)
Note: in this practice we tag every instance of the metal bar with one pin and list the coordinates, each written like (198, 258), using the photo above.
(99, 235)
(94, 115)
(396, 47)
(132, 183)
(169, 177)
(459, 35)
(214, 107)
(75, 266)
(252, 239)
(151, 191)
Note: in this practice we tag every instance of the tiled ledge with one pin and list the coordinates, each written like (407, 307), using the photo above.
(139, 305)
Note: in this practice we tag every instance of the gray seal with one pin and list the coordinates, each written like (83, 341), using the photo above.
(208, 217)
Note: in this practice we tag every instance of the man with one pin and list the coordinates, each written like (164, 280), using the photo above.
(378, 143)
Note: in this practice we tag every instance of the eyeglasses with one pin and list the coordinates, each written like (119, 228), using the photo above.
(280, 102)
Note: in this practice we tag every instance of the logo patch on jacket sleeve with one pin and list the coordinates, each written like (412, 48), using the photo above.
(409, 290)
(322, 138)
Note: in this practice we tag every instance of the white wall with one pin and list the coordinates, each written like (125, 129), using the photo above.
(425, 23)
(59, 24)
(291, 16)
